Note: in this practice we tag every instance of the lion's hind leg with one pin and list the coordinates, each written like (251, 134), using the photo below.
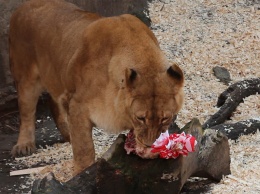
(29, 89)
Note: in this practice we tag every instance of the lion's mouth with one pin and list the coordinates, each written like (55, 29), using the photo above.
(136, 140)
(135, 145)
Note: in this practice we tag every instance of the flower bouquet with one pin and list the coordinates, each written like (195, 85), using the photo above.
(167, 145)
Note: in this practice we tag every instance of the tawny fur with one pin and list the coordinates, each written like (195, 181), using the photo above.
(104, 72)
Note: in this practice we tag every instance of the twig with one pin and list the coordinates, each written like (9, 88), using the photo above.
(8, 114)
(26, 171)
(10, 127)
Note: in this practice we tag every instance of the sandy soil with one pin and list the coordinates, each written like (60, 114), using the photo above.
(200, 35)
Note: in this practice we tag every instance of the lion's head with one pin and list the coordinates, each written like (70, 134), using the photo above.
(149, 90)
(155, 100)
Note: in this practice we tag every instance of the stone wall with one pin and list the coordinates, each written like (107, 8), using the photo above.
(103, 7)
(6, 9)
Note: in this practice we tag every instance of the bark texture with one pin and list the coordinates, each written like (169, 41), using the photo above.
(231, 98)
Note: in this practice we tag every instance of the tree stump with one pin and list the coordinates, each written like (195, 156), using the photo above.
(119, 173)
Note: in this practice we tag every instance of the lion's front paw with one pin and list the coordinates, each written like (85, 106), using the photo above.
(78, 169)
(21, 149)
(80, 166)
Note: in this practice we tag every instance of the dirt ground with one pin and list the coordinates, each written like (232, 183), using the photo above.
(199, 35)
(46, 134)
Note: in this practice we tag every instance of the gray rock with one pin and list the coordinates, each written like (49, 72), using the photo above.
(222, 74)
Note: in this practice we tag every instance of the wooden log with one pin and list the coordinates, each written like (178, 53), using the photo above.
(119, 173)
(235, 130)
(231, 98)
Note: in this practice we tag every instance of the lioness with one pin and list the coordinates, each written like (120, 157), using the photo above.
(104, 72)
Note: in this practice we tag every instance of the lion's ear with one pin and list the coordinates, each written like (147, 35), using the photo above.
(176, 73)
(130, 76)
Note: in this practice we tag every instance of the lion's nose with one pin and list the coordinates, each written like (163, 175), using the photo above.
(152, 135)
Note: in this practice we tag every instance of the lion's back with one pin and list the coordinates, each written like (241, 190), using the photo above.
(47, 34)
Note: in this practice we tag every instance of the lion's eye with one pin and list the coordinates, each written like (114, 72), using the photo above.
(141, 119)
